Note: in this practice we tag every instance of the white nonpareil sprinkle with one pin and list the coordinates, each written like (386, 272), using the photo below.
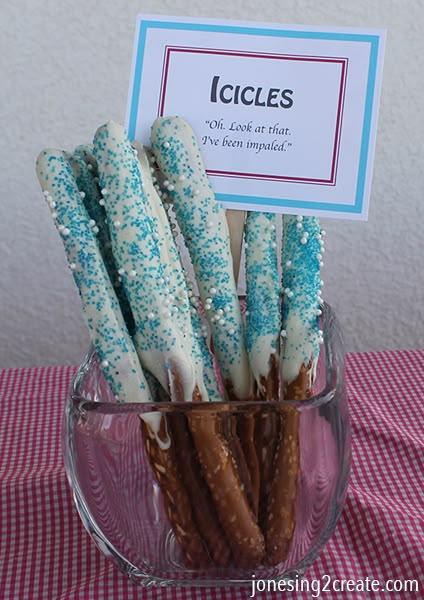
(82, 194)
(196, 192)
(91, 222)
(65, 231)
(166, 144)
(231, 332)
(104, 364)
(304, 240)
(181, 177)
(117, 224)
(96, 229)
(283, 333)
(212, 291)
(121, 271)
(151, 316)
(104, 192)
(132, 273)
(288, 263)
(72, 266)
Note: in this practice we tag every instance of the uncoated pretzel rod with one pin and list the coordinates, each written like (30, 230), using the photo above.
(301, 336)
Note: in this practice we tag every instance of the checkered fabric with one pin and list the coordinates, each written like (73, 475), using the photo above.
(45, 553)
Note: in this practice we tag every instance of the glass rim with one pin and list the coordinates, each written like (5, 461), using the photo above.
(324, 396)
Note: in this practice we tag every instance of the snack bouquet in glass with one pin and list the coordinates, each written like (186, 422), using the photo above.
(206, 439)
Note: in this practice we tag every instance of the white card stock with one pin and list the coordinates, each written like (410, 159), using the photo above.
(286, 116)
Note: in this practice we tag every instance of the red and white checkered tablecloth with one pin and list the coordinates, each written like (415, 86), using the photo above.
(45, 553)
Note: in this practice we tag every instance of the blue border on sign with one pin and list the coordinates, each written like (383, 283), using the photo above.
(373, 40)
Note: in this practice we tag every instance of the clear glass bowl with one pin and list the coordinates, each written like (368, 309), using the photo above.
(124, 508)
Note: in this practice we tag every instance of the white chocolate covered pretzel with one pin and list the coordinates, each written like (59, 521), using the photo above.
(204, 226)
(101, 309)
(302, 260)
(263, 321)
(191, 322)
(157, 295)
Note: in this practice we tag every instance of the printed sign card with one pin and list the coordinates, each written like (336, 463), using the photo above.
(286, 116)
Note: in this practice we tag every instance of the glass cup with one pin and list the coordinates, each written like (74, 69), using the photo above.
(127, 509)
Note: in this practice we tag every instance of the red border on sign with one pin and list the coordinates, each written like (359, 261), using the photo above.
(288, 57)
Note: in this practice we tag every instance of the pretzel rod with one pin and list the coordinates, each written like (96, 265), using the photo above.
(246, 433)
(163, 349)
(163, 335)
(101, 309)
(85, 179)
(203, 508)
(177, 502)
(302, 259)
(263, 321)
(86, 152)
(204, 226)
(115, 349)
(221, 473)
(267, 432)
(190, 318)
(235, 221)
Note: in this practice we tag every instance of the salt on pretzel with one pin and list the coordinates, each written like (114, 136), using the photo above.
(301, 337)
